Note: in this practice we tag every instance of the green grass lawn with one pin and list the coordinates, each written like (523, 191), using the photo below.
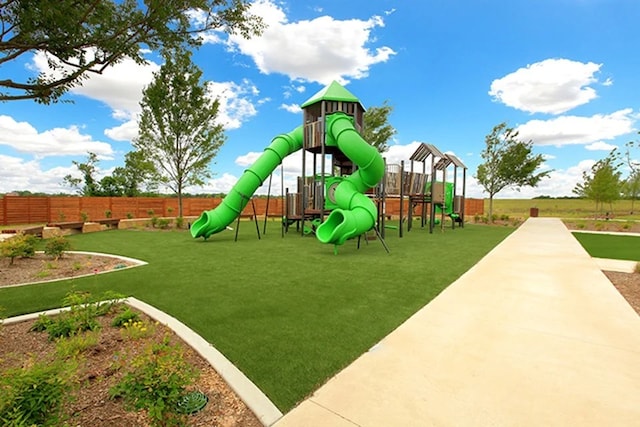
(287, 311)
(610, 246)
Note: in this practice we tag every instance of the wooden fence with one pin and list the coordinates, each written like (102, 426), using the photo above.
(16, 210)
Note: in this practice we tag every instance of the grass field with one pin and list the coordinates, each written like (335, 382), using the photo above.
(561, 208)
(610, 246)
(287, 311)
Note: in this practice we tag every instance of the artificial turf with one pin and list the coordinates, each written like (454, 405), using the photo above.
(610, 246)
(287, 311)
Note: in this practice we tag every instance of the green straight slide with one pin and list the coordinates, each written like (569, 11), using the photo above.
(356, 213)
(216, 220)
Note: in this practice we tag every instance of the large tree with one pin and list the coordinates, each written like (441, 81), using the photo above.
(376, 128)
(602, 183)
(80, 37)
(177, 130)
(508, 162)
(138, 172)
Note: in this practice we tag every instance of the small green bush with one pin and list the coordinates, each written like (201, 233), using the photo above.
(107, 213)
(179, 222)
(56, 246)
(129, 215)
(155, 381)
(84, 216)
(19, 246)
(73, 346)
(125, 316)
(35, 396)
(163, 223)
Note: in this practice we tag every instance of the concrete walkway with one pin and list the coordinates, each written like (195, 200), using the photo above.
(533, 335)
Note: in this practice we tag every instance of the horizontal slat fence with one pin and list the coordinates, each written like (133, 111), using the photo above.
(36, 210)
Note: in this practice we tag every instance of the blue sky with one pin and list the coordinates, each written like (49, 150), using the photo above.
(563, 72)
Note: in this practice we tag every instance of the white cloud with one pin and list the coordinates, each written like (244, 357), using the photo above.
(307, 50)
(292, 108)
(566, 130)
(127, 131)
(20, 175)
(600, 146)
(23, 137)
(119, 86)
(551, 86)
(236, 102)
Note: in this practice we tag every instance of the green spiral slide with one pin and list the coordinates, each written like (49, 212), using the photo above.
(216, 220)
(356, 213)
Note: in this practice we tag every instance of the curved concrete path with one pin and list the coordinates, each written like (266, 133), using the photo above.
(533, 335)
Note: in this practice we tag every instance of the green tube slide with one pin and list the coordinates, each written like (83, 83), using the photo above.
(216, 220)
(356, 213)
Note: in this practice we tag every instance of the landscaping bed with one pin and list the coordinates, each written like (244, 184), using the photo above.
(101, 359)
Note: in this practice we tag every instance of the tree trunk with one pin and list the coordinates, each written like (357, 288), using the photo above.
(490, 217)
(179, 201)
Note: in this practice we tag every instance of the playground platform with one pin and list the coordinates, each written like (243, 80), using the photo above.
(532, 335)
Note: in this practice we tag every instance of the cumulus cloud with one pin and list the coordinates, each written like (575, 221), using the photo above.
(19, 174)
(119, 86)
(236, 102)
(24, 138)
(600, 146)
(552, 86)
(567, 130)
(292, 108)
(306, 50)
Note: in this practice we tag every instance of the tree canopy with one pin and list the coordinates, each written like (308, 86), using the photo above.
(177, 129)
(376, 128)
(602, 183)
(81, 37)
(508, 162)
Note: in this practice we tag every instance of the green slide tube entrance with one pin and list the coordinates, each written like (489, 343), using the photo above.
(216, 220)
(356, 213)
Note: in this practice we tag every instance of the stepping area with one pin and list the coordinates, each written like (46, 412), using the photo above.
(532, 335)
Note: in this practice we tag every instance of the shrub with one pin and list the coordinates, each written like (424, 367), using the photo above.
(73, 346)
(162, 223)
(179, 222)
(155, 381)
(80, 317)
(35, 395)
(19, 246)
(125, 316)
(84, 216)
(129, 215)
(57, 246)
(107, 213)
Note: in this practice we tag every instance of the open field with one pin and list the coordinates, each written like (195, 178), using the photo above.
(287, 311)
(561, 208)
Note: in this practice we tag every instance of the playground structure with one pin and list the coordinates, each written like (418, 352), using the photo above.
(350, 200)
(332, 119)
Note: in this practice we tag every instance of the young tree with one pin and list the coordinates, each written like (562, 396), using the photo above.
(80, 37)
(602, 184)
(508, 162)
(87, 185)
(177, 132)
(631, 188)
(376, 128)
(138, 172)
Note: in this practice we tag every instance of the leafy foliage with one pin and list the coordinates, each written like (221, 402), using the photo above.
(56, 246)
(376, 128)
(177, 130)
(19, 246)
(508, 162)
(79, 38)
(602, 183)
(155, 381)
(35, 395)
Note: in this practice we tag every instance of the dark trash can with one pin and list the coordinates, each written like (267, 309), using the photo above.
(533, 212)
